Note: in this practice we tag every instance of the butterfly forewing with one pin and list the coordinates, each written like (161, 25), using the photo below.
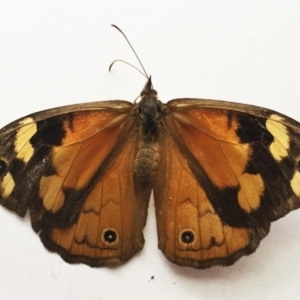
(247, 161)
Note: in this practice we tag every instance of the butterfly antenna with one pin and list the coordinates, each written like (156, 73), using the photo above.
(145, 73)
(125, 62)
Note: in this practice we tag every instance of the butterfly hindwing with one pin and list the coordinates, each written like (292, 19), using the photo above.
(108, 229)
(190, 231)
(69, 168)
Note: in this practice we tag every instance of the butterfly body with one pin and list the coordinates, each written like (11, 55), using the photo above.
(149, 112)
(220, 173)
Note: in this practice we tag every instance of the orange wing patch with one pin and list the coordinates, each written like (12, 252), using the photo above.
(79, 156)
(211, 136)
(210, 132)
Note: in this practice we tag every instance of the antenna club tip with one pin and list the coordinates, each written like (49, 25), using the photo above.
(115, 26)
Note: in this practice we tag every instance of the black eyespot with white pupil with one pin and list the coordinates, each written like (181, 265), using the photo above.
(110, 236)
(3, 166)
(187, 237)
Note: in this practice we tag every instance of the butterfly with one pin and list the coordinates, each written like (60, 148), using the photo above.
(220, 173)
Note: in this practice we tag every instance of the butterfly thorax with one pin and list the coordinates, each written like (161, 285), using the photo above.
(149, 111)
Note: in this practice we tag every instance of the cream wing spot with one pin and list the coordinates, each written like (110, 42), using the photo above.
(295, 183)
(23, 147)
(251, 189)
(51, 193)
(7, 185)
(279, 147)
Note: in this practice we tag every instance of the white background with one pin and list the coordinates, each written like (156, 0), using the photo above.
(57, 52)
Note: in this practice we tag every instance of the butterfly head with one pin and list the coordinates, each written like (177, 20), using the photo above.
(148, 89)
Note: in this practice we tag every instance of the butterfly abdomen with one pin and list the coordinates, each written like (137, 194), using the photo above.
(147, 161)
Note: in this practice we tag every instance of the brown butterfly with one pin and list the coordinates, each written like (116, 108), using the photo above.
(220, 172)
